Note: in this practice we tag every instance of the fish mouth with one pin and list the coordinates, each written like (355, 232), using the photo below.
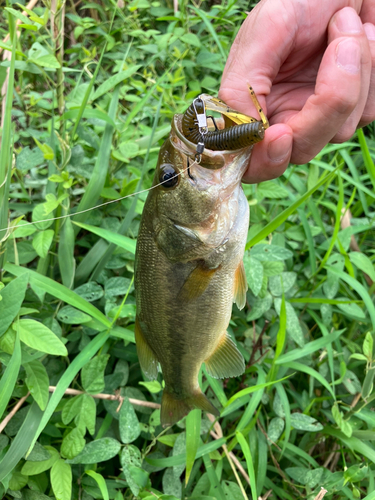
(212, 160)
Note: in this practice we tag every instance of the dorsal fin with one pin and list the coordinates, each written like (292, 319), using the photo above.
(240, 286)
(226, 361)
(147, 358)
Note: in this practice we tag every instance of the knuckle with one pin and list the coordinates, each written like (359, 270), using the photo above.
(344, 134)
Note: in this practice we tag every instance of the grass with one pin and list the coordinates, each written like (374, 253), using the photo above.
(87, 132)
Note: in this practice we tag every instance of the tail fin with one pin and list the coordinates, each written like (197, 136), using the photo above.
(173, 410)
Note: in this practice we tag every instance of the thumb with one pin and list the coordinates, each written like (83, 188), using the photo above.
(261, 46)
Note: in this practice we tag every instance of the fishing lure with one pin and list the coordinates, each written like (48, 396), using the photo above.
(241, 131)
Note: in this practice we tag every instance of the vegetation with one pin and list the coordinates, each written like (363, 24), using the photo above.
(91, 92)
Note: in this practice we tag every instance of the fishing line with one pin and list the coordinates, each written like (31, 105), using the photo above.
(97, 206)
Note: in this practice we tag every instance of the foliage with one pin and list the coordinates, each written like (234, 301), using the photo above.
(86, 112)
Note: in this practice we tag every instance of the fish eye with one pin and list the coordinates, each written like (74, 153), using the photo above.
(168, 175)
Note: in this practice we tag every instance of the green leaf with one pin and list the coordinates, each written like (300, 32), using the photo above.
(82, 408)
(363, 263)
(41, 338)
(356, 473)
(71, 316)
(37, 382)
(33, 468)
(73, 443)
(304, 422)
(254, 273)
(193, 427)
(128, 423)
(42, 242)
(293, 326)
(275, 429)
(70, 373)
(131, 457)
(89, 113)
(90, 291)
(115, 80)
(17, 481)
(118, 239)
(11, 301)
(282, 283)
(279, 219)
(339, 419)
(271, 190)
(101, 483)
(100, 450)
(92, 374)
(47, 61)
(360, 289)
(191, 39)
(368, 345)
(270, 253)
(59, 291)
(259, 307)
(61, 480)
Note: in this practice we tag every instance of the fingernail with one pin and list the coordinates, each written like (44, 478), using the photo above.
(370, 31)
(348, 56)
(279, 149)
(348, 21)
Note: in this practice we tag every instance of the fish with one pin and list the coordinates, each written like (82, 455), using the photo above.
(189, 270)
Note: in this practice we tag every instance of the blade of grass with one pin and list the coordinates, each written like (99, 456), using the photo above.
(280, 340)
(100, 482)
(87, 93)
(123, 229)
(254, 388)
(215, 485)
(210, 29)
(254, 402)
(9, 378)
(249, 462)
(360, 289)
(193, 427)
(309, 348)
(181, 458)
(60, 292)
(352, 443)
(310, 240)
(22, 441)
(115, 238)
(277, 221)
(369, 164)
(99, 174)
(5, 152)
(337, 224)
(286, 406)
(67, 263)
(353, 170)
(299, 367)
(70, 373)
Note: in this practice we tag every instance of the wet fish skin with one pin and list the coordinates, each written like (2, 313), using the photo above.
(189, 270)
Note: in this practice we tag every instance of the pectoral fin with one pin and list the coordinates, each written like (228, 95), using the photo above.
(226, 361)
(196, 283)
(240, 286)
(147, 358)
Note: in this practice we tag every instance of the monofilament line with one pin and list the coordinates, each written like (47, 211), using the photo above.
(97, 206)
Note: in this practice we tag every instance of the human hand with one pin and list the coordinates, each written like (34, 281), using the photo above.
(312, 66)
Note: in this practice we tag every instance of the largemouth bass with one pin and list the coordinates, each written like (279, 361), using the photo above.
(189, 269)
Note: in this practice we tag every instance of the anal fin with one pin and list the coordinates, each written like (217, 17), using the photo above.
(226, 361)
(240, 286)
(196, 283)
(147, 358)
